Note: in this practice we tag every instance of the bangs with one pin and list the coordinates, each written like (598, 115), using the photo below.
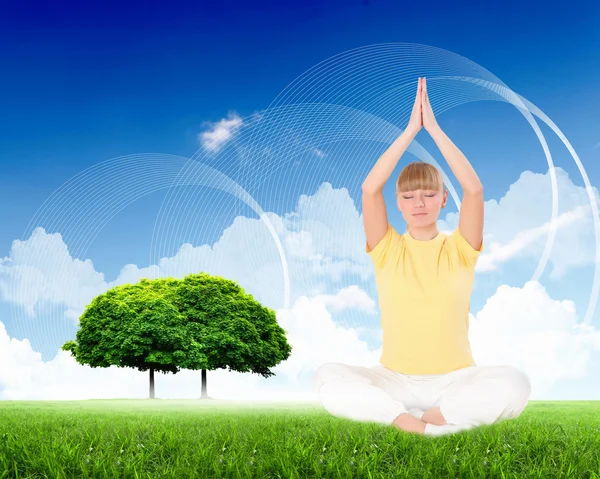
(419, 176)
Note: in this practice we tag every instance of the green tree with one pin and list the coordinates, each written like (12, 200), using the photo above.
(200, 322)
(235, 330)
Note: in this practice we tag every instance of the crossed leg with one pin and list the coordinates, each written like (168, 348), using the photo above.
(481, 395)
(486, 395)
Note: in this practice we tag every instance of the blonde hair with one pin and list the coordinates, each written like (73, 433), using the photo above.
(419, 175)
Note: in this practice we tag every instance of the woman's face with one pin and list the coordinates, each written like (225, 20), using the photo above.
(421, 206)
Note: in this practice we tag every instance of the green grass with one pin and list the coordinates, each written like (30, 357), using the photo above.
(210, 439)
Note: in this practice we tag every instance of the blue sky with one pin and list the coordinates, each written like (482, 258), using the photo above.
(87, 83)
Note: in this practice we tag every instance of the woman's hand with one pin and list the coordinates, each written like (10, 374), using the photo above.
(416, 120)
(429, 122)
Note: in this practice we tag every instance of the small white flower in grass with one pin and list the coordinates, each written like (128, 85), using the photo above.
(457, 448)
(91, 449)
(121, 451)
(484, 463)
(324, 449)
(224, 448)
(488, 451)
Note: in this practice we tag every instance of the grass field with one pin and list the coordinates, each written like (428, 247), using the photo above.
(210, 439)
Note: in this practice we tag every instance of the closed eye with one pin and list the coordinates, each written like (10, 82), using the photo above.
(409, 197)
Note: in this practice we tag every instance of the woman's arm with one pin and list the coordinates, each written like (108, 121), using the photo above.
(381, 172)
(471, 217)
(460, 166)
(470, 223)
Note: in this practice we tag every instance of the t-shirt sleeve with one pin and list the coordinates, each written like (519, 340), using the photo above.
(382, 250)
(467, 254)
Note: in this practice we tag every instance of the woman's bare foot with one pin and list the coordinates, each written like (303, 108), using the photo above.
(434, 416)
(407, 422)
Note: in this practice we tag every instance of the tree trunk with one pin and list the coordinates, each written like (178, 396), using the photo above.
(203, 395)
(151, 383)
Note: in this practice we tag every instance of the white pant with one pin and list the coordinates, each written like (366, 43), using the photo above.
(467, 397)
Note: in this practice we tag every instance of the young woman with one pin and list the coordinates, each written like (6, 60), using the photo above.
(426, 381)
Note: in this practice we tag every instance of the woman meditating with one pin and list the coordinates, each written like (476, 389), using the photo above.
(426, 381)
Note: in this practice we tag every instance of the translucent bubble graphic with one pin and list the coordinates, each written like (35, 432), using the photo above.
(82, 207)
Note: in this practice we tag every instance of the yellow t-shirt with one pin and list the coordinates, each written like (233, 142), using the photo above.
(424, 293)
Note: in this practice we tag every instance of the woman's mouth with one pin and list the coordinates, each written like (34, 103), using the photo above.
(419, 214)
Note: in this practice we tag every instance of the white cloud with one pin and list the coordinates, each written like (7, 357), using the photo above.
(220, 132)
(350, 297)
(316, 338)
(319, 153)
(316, 247)
(516, 226)
(526, 328)
(41, 269)
(501, 253)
